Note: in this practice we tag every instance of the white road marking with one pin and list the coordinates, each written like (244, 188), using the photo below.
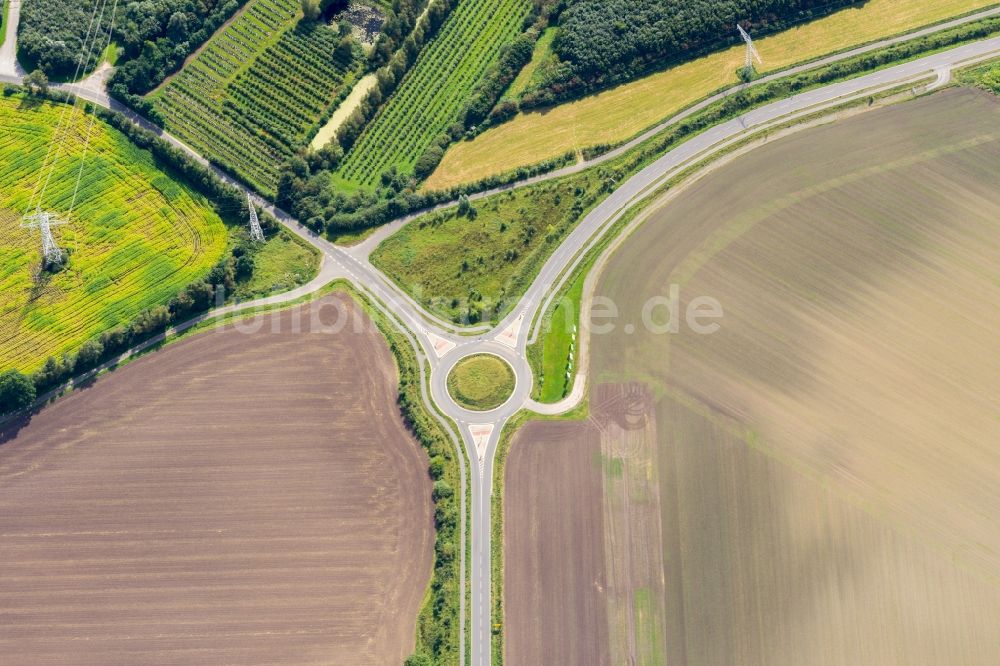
(481, 438)
(441, 345)
(508, 336)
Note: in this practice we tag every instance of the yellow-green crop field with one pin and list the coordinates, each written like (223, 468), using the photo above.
(135, 238)
(622, 112)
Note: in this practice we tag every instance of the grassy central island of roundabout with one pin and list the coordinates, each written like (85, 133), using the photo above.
(481, 382)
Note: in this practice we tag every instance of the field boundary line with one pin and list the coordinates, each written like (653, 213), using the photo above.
(615, 149)
(658, 194)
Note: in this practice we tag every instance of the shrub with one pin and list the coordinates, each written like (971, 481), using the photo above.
(17, 391)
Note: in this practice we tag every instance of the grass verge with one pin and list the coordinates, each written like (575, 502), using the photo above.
(985, 76)
(3, 20)
(554, 357)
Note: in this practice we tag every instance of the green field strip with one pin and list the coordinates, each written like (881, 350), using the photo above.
(224, 103)
(431, 95)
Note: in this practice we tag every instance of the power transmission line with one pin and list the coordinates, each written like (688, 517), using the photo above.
(751, 49)
(256, 233)
(35, 217)
(93, 116)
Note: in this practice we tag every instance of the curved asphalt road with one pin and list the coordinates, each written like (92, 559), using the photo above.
(440, 343)
(443, 347)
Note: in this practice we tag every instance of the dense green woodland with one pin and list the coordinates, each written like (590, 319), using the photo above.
(608, 41)
(160, 33)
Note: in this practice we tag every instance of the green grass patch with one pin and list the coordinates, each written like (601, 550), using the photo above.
(284, 262)
(3, 20)
(473, 267)
(111, 54)
(647, 628)
(351, 238)
(542, 53)
(481, 382)
(612, 467)
(555, 355)
(986, 77)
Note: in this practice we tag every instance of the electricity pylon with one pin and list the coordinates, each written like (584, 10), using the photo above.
(256, 233)
(751, 49)
(44, 221)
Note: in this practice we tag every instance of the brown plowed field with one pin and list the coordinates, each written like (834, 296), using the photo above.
(554, 596)
(232, 499)
(827, 462)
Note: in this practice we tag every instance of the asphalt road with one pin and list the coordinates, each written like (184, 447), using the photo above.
(442, 345)
(590, 230)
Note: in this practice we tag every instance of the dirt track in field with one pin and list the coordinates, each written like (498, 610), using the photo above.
(827, 462)
(233, 499)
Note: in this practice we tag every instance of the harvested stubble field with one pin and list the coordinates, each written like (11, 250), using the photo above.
(825, 463)
(233, 499)
(136, 236)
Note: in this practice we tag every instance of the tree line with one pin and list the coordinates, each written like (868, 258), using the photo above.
(603, 42)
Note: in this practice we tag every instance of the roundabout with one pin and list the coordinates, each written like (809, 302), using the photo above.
(481, 381)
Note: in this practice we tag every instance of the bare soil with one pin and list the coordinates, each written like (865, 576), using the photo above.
(555, 600)
(232, 499)
(827, 461)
